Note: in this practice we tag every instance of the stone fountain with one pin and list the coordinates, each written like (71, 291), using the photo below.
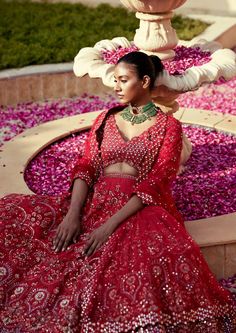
(156, 36)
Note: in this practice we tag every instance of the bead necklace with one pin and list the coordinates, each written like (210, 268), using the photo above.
(137, 115)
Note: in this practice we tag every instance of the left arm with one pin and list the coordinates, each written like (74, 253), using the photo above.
(131, 207)
(101, 234)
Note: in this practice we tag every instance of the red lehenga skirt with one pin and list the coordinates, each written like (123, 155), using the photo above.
(148, 277)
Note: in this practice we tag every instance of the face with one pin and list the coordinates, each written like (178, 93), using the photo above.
(128, 86)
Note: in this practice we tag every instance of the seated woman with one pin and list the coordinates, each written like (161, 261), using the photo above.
(121, 259)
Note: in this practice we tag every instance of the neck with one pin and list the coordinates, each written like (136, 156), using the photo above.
(141, 102)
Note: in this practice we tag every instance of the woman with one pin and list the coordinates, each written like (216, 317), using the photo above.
(122, 260)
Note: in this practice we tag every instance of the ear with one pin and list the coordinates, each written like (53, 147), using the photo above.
(146, 81)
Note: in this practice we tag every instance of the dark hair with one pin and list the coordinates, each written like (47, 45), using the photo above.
(144, 64)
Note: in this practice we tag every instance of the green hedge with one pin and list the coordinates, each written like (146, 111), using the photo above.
(39, 33)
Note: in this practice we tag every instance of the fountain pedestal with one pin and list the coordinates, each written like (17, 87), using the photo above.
(155, 34)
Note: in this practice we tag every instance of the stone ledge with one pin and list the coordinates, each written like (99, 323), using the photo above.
(18, 152)
(46, 86)
(208, 232)
(220, 258)
(36, 69)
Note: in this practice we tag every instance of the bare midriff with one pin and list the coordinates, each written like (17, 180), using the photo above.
(122, 167)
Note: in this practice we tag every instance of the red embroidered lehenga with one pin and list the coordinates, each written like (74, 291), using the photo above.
(149, 276)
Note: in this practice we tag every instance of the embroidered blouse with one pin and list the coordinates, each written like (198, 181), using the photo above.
(155, 154)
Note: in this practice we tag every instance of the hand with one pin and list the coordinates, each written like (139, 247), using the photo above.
(67, 231)
(98, 237)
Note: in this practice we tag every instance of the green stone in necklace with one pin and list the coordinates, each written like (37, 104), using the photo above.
(149, 110)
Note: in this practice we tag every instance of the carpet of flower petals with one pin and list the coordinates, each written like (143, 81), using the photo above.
(220, 97)
(185, 57)
(207, 186)
(16, 119)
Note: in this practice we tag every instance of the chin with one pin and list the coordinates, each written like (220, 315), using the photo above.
(123, 100)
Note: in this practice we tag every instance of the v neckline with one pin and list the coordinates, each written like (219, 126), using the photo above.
(121, 135)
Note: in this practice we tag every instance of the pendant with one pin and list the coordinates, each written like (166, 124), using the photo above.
(135, 111)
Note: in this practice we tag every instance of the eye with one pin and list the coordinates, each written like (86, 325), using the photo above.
(115, 80)
(123, 81)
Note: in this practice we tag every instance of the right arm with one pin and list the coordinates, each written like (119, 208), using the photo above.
(78, 196)
(70, 228)
(84, 174)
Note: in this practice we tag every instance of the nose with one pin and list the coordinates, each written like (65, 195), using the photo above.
(117, 87)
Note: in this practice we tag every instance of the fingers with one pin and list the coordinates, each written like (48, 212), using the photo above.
(66, 243)
(65, 236)
(60, 243)
(97, 247)
(62, 240)
(89, 243)
(76, 236)
(57, 238)
(91, 247)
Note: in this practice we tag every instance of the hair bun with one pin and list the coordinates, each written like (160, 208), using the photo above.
(158, 65)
